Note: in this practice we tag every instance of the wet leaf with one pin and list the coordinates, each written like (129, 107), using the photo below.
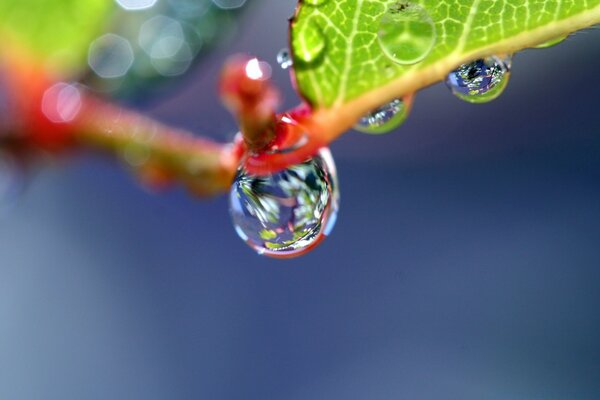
(353, 63)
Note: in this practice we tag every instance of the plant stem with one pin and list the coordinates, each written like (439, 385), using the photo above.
(57, 116)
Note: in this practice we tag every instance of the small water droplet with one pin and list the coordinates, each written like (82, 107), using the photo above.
(284, 59)
(384, 119)
(552, 42)
(481, 80)
(308, 41)
(288, 213)
(315, 2)
(406, 33)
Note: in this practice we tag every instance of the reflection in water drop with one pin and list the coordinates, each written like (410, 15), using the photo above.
(308, 41)
(287, 213)
(284, 58)
(110, 56)
(481, 80)
(61, 103)
(406, 33)
(383, 119)
(552, 42)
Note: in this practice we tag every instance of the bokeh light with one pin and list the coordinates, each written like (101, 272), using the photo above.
(61, 102)
(132, 5)
(229, 4)
(161, 37)
(110, 56)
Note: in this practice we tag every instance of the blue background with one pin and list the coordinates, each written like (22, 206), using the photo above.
(465, 263)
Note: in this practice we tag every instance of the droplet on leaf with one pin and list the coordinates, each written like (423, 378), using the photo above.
(308, 41)
(481, 80)
(552, 42)
(287, 213)
(406, 33)
(384, 119)
(284, 59)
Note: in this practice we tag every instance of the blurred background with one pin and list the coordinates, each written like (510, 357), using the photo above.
(465, 263)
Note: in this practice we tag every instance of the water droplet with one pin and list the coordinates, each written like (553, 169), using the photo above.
(308, 41)
(481, 80)
(284, 59)
(384, 119)
(288, 213)
(406, 33)
(315, 2)
(552, 42)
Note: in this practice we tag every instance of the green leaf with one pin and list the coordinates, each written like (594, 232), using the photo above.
(58, 31)
(353, 66)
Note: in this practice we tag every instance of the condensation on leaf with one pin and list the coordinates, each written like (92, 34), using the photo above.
(406, 33)
(480, 81)
(384, 119)
(309, 42)
(552, 42)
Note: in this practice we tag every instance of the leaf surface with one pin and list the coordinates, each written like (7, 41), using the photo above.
(352, 65)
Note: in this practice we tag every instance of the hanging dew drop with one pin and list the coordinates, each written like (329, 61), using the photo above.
(480, 81)
(284, 59)
(288, 213)
(406, 33)
(384, 119)
(308, 42)
(551, 43)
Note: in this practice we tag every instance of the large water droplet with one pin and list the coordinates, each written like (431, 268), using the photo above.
(552, 42)
(315, 2)
(384, 119)
(481, 80)
(287, 213)
(284, 59)
(308, 41)
(406, 33)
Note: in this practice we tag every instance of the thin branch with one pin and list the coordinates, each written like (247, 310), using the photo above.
(58, 116)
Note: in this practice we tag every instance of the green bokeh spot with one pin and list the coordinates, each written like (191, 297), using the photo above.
(58, 31)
